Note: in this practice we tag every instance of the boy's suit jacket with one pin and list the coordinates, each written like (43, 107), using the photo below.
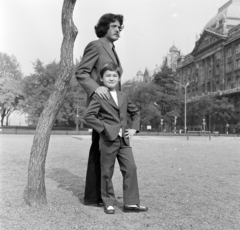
(96, 54)
(107, 118)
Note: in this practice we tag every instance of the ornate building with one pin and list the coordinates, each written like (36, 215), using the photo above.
(141, 77)
(171, 59)
(213, 67)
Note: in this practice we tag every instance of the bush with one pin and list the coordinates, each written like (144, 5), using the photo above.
(237, 128)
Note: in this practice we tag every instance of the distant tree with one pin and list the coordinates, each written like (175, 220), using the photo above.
(222, 109)
(38, 87)
(145, 96)
(237, 128)
(219, 108)
(35, 193)
(73, 107)
(168, 98)
(129, 87)
(10, 85)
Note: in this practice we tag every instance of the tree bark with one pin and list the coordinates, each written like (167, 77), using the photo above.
(3, 115)
(35, 193)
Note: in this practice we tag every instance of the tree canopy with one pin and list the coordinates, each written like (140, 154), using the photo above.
(144, 95)
(38, 87)
(168, 98)
(10, 85)
(219, 108)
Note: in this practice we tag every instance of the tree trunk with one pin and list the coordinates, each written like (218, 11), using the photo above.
(35, 193)
(7, 119)
(3, 115)
(2, 118)
(8, 113)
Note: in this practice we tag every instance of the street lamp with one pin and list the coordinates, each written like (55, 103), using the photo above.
(161, 124)
(175, 124)
(185, 104)
(204, 123)
(77, 121)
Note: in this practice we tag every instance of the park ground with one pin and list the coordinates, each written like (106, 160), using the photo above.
(187, 184)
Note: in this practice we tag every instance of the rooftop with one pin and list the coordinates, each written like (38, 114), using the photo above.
(229, 14)
(173, 49)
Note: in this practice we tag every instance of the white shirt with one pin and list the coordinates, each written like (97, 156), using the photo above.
(114, 96)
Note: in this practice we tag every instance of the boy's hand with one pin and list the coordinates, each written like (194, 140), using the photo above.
(103, 92)
(129, 133)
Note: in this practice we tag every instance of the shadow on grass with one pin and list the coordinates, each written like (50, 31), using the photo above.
(68, 181)
(75, 184)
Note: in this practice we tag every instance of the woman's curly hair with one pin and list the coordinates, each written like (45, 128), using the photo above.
(103, 24)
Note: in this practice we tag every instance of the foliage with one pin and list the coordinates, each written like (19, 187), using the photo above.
(222, 109)
(10, 85)
(73, 107)
(219, 108)
(143, 96)
(168, 99)
(156, 100)
(38, 87)
(237, 128)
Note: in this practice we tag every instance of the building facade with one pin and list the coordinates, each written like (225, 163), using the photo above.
(213, 67)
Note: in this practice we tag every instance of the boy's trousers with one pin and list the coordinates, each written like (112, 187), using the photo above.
(110, 150)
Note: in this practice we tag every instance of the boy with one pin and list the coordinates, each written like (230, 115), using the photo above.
(109, 119)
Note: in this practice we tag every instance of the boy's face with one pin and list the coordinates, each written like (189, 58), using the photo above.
(110, 79)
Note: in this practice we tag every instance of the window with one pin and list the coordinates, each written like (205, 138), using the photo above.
(217, 70)
(217, 55)
(237, 64)
(196, 91)
(229, 67)
(238, 81)
(196, 77)
(203, 88)
(229, 53)
(229, 84)
(208, 86)
(238, 48)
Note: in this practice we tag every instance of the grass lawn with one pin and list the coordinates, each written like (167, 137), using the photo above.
(187, 184)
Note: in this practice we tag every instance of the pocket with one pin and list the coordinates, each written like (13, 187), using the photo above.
(126, 141)
(104, 137)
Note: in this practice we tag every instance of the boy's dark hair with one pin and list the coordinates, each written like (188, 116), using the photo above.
(110, 66)
(103, 24)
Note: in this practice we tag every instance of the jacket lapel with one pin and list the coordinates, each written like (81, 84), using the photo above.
(120, 98)
(118, 61)
(112, 102)
(108, 49)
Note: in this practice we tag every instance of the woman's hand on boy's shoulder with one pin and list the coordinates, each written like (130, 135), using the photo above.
(103, 92)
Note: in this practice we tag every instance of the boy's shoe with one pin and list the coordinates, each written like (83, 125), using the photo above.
(135, 208)
(109, 209)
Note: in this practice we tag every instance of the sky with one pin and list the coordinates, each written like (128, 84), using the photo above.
(31, 30)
